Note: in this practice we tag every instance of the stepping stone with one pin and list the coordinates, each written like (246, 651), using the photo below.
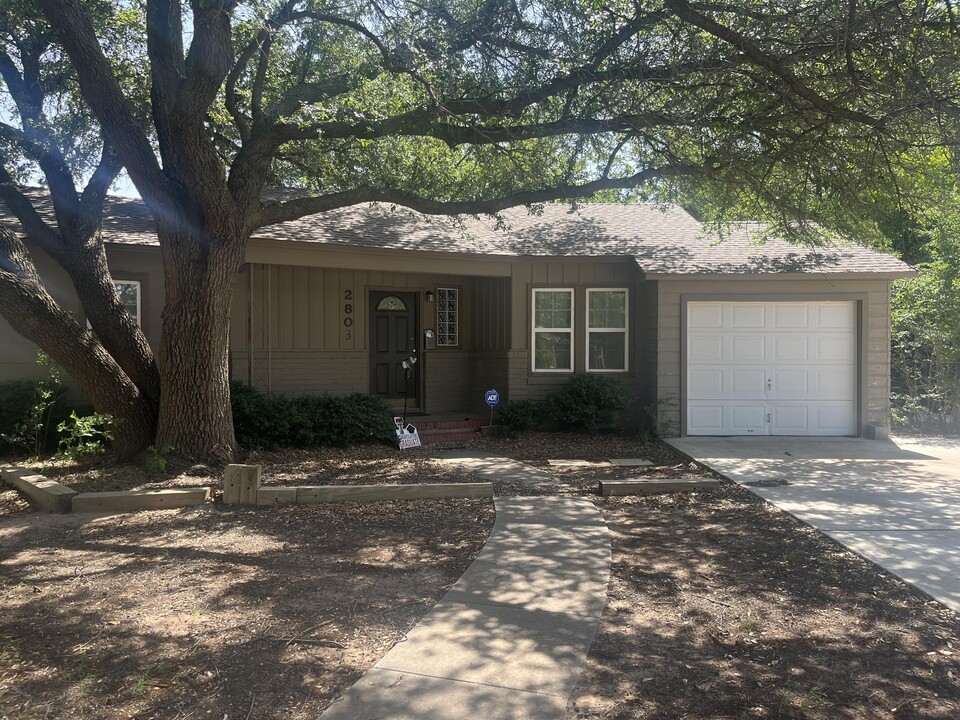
(643, 486)
(631, 462)
(578, 463)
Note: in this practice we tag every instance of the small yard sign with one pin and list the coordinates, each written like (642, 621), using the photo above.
(408, 436)
(492, 397)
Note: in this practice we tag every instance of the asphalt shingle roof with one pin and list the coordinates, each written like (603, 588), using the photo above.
(664, 239)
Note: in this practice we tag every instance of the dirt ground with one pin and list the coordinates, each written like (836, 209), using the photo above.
(720, 605)
(213, 613)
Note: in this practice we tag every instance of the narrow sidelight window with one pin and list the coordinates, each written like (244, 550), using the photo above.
(448, 317)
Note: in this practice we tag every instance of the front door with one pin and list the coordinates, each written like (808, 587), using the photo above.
(393, 341)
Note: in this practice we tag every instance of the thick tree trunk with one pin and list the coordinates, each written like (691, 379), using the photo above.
(200, 273)
(27, 306)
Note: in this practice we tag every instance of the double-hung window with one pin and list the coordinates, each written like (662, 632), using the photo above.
(553, 330)
(607, 330)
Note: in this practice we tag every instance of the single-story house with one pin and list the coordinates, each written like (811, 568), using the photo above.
(720, 335)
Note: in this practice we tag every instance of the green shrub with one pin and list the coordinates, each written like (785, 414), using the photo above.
(83, 435)
(309, 421)
(30, 410)
(518, 416)
(589, 402)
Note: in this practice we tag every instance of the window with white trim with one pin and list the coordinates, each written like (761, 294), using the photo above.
(607, 330)
(129, 292)
(553, 330)
(448, 317)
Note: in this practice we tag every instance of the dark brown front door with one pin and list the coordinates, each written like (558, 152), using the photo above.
(393, 340)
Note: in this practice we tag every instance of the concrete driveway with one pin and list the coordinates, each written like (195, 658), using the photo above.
(895, 503)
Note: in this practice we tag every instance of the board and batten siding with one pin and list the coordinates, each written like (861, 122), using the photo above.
(296, 328)
(872, 295)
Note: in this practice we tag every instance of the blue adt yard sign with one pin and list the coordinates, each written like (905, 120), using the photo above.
(492, 397)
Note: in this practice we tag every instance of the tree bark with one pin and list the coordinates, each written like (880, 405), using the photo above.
(26, 305)
(200, 271)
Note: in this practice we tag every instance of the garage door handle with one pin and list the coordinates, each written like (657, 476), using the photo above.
(769, 384)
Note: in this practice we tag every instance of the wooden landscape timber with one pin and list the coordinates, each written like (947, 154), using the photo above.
(643, 486)
(140, 499)
(46, 493)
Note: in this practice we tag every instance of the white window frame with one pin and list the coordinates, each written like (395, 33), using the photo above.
(625, 330)
(457, 320)
(534, 329)
(117, 281)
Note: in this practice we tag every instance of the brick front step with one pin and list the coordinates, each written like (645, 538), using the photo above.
(448, 424)
(439, 436)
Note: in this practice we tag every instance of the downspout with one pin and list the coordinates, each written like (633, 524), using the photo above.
(269, 331)
(250, 324)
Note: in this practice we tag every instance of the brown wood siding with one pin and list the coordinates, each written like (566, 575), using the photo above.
(309, 343)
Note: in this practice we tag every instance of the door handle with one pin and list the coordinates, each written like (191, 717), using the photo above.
(769, 384)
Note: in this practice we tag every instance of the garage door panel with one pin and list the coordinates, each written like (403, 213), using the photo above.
(834, 419)
(748, 348)
(790, 384)
(747, 315)
(832, 385)
(791, 316)
(705, 316)
(786, 368)
(833, 348)
(790, 420)
(791, 348)
(836, 316)
(705, 348)
(749, 418)
(705, 384)
(747, 383)
(705, 418)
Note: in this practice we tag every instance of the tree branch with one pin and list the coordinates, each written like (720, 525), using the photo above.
(278, 212)
(774, 65)
(34, 226)
(102, 91)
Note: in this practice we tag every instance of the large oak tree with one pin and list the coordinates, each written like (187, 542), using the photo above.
(471, 106)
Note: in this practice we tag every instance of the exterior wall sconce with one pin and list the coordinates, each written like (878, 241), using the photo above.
(429, 295)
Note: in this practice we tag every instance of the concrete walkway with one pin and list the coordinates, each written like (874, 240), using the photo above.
(897, 504)
(508, 640)
(500, 469)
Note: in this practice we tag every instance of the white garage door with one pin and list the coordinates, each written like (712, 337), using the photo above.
(771, 368)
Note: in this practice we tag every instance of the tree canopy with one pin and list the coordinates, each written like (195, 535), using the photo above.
(470, 106)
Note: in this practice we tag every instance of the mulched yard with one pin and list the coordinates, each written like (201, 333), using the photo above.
(721, 606)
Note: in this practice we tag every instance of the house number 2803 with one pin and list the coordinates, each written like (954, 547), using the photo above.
(347, 313)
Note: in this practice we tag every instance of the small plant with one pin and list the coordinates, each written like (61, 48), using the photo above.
(27, 408)
(155, 459)
(518, 416)
(589, 402)
(85, 435)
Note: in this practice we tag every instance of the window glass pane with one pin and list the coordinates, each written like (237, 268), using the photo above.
(552, 309)
(607, 351)
(392, 302)
(129, 295)
(552, 351)
(448, 316)
(608, 309)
